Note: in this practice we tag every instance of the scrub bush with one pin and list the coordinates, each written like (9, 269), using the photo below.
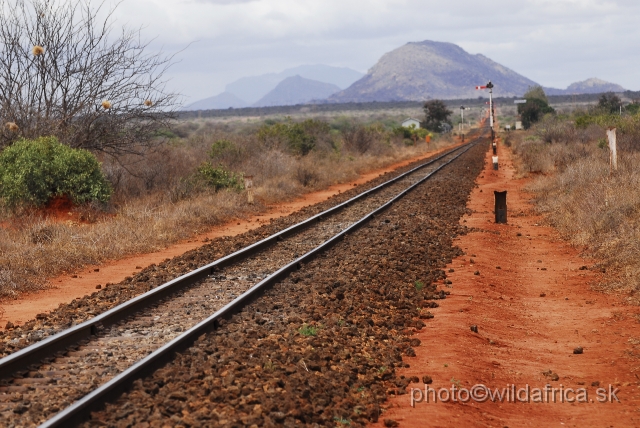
(34, 171)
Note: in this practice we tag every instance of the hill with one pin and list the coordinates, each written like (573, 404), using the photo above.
(254, 88)
(423, 70)
(220, 101)
(589, 86)
(297, 90)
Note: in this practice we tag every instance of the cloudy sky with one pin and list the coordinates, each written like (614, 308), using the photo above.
(553, 42)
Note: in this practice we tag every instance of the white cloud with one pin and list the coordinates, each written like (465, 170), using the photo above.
(554, 42)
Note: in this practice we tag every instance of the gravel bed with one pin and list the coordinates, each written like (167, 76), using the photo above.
(321, 348)
(22, 401)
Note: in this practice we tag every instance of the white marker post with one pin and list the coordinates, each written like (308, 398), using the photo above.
(613, 155)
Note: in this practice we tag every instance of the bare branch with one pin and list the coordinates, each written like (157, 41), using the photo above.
(59, 63)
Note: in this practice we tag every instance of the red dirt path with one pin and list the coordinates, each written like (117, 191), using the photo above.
(68, 288)
(520, 333)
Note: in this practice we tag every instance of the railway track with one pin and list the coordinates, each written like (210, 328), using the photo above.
(113, 349)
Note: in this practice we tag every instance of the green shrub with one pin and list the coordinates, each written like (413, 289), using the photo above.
(166, 133)
(633, 108)
(411, 132)
(308, 330)
(227, 153)
(221, 147)
(402, 131)
(34, 171)
(298, 138)
(219, 178)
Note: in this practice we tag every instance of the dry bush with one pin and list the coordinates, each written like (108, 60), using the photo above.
(554, 130)
(358, 139)
(532, 154)
(553, 144)
(629, 138)
(158, 171)
(595, 210)
(589, 134)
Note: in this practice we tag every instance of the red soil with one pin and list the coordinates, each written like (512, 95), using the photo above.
(531, 313)
(68, 288)
(58, 209)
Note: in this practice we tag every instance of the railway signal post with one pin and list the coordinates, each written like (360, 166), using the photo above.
(489, 86)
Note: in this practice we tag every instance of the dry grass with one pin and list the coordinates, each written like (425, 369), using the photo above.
(154, 205)
(596, 211)
(41, 249)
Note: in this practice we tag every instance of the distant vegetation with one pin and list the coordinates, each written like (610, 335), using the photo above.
(437, 116)
(610, 103)
(535, 108)
(297, 138)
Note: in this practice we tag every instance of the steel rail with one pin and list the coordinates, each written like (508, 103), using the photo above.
(95, 400)
(22, 360)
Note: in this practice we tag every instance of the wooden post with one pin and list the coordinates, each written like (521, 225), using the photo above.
(248, 184)
(501, 206)
(613, 155)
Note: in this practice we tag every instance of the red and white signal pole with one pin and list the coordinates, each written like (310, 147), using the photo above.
(489, 86)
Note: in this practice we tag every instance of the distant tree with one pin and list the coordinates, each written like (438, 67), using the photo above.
(65, 73)
(535, 108)
(536, 92)
(609, 103)
(436, 113)
(634, 107)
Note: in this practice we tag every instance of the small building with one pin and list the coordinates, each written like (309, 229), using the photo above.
(518, 125)
(411, 121)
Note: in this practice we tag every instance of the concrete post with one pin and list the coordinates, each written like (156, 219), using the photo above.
(613, 152)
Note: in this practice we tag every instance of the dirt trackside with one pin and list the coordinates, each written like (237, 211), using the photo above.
(528, 294)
